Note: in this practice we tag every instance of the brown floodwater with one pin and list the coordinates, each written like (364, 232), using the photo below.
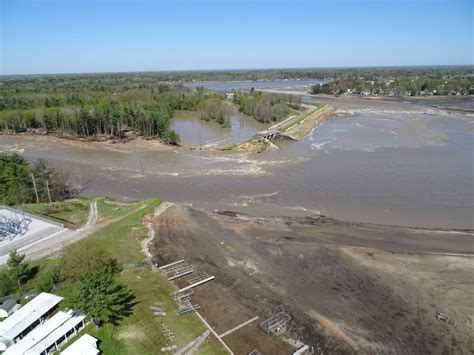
(194, 131)
(383, 162)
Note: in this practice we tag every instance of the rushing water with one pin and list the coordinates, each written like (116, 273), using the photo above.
(394, 163)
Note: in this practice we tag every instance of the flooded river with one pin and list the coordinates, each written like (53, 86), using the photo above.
(194, 131)
(382, 162)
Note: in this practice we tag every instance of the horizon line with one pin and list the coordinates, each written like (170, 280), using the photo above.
(224, 70)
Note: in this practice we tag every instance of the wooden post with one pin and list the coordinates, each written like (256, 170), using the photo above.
(47, 189)
(34, 185)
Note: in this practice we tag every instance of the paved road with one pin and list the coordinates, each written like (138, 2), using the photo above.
(51, 243)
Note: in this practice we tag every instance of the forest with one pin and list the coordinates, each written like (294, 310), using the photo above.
(266, 107)
(114, 106)
(110, 110)
(104, 82)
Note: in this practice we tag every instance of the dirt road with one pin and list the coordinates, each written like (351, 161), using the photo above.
(350, 287)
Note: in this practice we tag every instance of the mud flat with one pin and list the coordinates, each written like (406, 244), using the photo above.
(350, 287)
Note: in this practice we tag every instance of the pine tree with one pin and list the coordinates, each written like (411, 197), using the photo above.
(17, 268)
(100, 296)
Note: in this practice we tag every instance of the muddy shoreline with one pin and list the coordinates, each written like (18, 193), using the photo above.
(350, 287)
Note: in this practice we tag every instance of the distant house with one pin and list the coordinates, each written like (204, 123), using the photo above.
(8, 307)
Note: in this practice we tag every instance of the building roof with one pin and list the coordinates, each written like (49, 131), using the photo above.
(85, 345)
(38, 334)
(28, 314)
(55, 335)
(8, 304)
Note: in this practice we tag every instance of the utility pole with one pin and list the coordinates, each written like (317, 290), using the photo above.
(141, 166)
(34, 185)
(200, 135)
(47, 189)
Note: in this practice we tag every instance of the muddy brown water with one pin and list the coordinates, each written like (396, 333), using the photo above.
(382, 162)
(194, 131)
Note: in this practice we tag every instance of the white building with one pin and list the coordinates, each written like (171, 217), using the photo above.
(46, 338)
(85, 345)
(20, 323)
(59, 336)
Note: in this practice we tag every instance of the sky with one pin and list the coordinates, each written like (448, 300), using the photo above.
(80, 36)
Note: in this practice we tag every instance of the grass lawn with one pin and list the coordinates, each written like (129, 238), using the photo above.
(112, 209)
(72, 213)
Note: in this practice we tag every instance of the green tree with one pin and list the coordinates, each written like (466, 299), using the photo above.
(82, 256)
(45, 174)
(100, 296)
(17, 269)
(47, 279)
(6, 286)
(15, 181)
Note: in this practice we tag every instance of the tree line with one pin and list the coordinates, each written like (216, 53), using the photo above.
(18, 179)
(98, 114)
(121, 82)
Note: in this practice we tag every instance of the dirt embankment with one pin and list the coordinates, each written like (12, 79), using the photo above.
(125, 145)
(349, 287)
(309, 123)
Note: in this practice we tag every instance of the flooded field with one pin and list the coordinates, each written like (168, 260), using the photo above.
(382, 162)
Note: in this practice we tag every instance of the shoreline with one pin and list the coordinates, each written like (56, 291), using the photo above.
(123, 146)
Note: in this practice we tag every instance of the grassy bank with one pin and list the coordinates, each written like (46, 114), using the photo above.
(141, 332)
(300, 118)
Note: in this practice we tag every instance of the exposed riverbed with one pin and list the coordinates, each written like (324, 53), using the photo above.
(383, 162)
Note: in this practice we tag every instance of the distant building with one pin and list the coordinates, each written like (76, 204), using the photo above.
(8, 307)
(85, 345)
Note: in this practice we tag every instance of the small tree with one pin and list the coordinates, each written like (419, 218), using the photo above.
(100, 296)
(47, 279)
(17, 268)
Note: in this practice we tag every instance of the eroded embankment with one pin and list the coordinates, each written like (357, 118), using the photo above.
(349, 287)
